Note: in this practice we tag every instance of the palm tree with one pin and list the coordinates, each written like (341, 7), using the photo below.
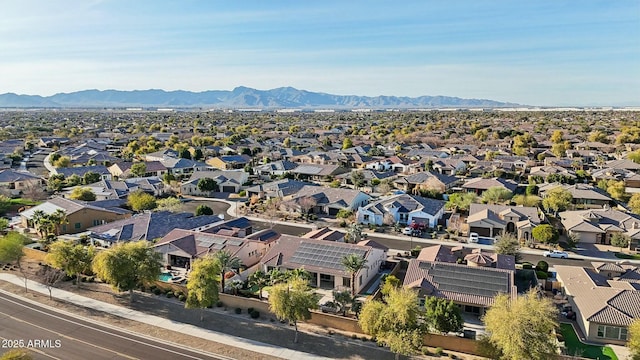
(353, 264)
(276, 276)
(37, 220)
(227, 262)
(58, 218)
(260, 279)
(299, 273)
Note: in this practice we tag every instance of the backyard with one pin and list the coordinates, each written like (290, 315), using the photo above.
(575, 347)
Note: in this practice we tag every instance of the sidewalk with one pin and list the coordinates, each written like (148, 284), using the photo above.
(160, 322)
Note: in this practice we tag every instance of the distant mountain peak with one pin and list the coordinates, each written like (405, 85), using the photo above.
(239, 97)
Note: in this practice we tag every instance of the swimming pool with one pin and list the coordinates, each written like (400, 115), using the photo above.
(166, 277)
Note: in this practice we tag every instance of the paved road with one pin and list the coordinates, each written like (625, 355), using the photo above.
(411, 242)
(59, 336)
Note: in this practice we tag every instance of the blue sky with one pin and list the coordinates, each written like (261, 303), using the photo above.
(529, 52)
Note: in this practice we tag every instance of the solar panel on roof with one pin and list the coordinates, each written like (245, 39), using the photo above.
(468, 280)
(234, 242)
(323, 255)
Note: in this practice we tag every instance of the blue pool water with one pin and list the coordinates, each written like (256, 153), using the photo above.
(165, 277)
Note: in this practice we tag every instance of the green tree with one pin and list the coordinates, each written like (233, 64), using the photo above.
(55, 182)
(11, 252)
(227, 263)
(442, 315)
(83, 193)
(545, 233)
(522, 328)
(73, 259)
(557, 136)
(395, 321)
(203, 210)
(357, 179)
(342, 298)
(140, 200)
(259, 279)
(353, 264)
(128, 265)
(634, 339)
(507, 244)
(620, 240)
(292, 301)
(62, 162)
(17, 354)
(354, 233)
(347, 143)
(202, 287)
(598, 136)
(460, 201)
(207, 185)
(90, 177)
(557, 199)
(172, 204)
(390, 283)
(5, 204)
(496, 195)
(634, 203)
(138, 169)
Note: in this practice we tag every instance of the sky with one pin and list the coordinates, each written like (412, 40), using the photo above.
(540, 53)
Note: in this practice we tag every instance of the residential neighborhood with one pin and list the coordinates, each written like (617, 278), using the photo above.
(458, 208)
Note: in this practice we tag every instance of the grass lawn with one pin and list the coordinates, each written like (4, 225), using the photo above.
(576, 347)
(24, 202)
(620, 255)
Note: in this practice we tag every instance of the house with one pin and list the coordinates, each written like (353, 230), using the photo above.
(322, 200)
(149, 226)
(369, 177)
(631, 178)
(403, 209)
(50, 142)
(111, 189)
(473, 287)
(480, 185)
(161, 155)
(79, 215)
(597, 226)
(226, 180)
(323, 260)
(317, 172)
(492, 220)
(182, 168)
(229, 162)
(82, 170)
(122, 170)
(180, 247)
(585, 196)
(551, 173)
(326, 234)
(15, 183)
(625, 164)
(276, 168)
(449, 166)
(427, 181)
(604, 298)
(277, 189)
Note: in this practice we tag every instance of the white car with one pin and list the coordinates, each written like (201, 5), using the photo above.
(473, 237)
(556, 254)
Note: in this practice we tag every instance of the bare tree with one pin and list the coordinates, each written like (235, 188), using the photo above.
(272, 206)
(50, 276)
(306, 204)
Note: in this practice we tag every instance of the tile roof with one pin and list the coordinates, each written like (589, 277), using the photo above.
(293, 252)
(484, 184)
(460, 283)
(150, 226)
(596, 299)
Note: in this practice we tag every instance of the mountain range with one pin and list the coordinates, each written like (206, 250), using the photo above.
(238, 98)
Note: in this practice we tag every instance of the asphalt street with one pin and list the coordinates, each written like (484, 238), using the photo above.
(52, 335)
(411, 242)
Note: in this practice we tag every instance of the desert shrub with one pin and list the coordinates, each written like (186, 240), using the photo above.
(219, 304)
(238, 311)
(254, 314)
(439, 351)
(157, 291)
(169, 295)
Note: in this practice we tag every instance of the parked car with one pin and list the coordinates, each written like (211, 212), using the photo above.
(474, 237)
(411, 231)
(556, 254)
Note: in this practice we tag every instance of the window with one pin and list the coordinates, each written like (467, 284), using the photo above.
(612, 332)
(346, 282)
(366, 218)
(77, 225)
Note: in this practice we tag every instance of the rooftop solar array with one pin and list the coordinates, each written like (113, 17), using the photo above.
(234, 242)
(468, 280)
(208, 241)
(323, 255)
